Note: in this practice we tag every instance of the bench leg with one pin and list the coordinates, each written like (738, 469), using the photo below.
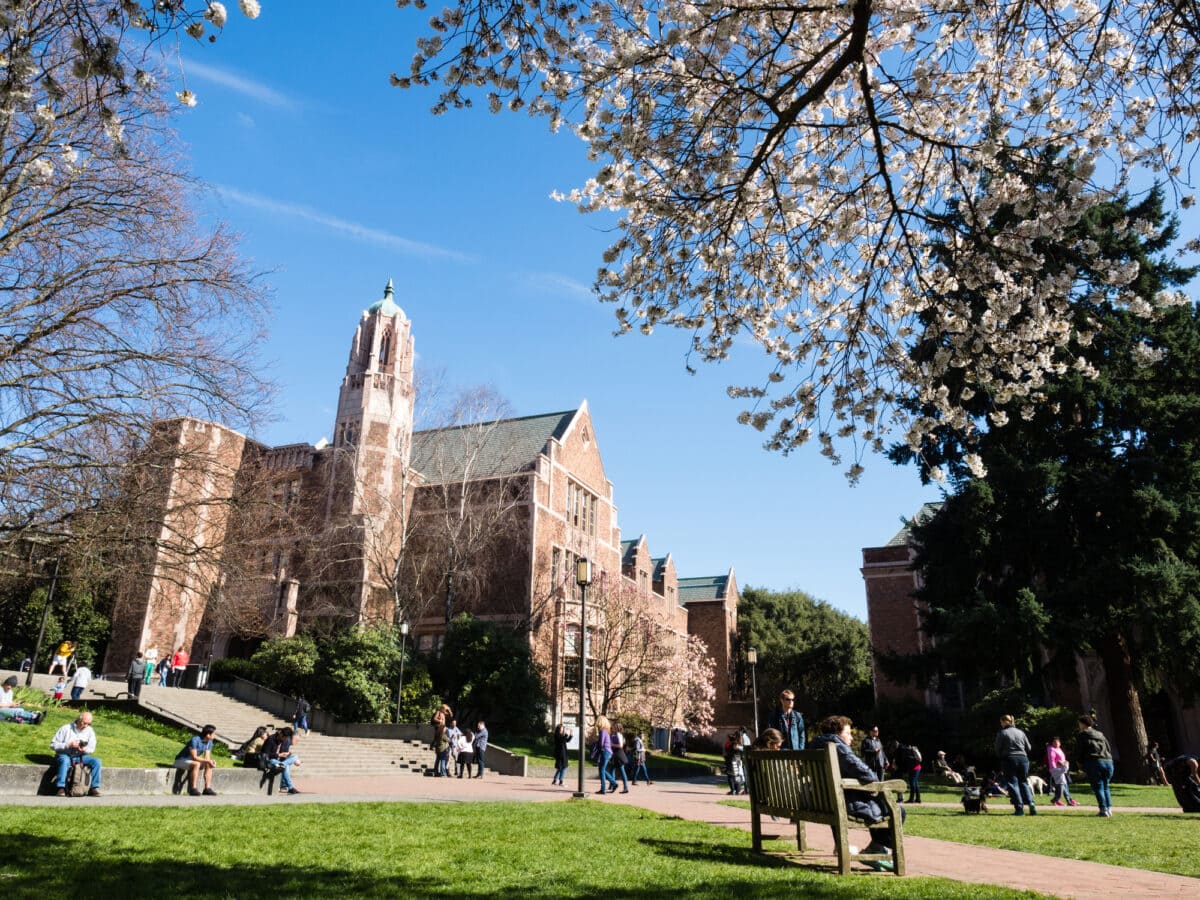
(801, 843)
(841, 843)
(755, 831)
(897, 830)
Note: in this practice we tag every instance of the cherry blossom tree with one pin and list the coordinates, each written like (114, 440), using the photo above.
(777, 172)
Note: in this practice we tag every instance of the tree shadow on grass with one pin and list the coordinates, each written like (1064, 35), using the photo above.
(59, 867)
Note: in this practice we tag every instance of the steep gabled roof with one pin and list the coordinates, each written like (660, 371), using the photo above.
(660, 566)
(486, 449)
(711, 587)
(629, 550)
(904, 536)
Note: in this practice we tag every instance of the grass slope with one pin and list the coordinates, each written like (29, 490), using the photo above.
(122, 739)
(569, 849)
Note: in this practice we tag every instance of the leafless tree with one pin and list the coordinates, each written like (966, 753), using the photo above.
(117, 309)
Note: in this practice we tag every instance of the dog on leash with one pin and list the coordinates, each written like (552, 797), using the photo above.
(974, 801)
(1037, 784)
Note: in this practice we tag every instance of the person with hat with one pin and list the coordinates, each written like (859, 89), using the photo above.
(196, 757)
(10, 712)
(942, 767)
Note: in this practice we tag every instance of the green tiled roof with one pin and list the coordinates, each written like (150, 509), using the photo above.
(486, 449)
(711, 587)
(901, 537)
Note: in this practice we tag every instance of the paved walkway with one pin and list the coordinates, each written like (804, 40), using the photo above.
(702, 802)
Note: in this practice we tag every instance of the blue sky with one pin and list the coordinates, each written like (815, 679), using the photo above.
(338, 181)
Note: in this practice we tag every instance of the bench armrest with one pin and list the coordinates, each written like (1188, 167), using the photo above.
(874, 787)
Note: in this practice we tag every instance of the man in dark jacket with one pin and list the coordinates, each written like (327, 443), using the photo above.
(1094, 754)
(859, 804)
(788, 722)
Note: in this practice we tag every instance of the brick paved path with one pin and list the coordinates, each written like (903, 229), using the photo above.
(701, 802)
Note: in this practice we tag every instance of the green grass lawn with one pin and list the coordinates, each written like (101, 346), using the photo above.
(1160, 842)
(122, 739)
(567, 849)
(1123, 795)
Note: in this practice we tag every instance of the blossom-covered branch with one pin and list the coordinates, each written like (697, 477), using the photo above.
(779, 171)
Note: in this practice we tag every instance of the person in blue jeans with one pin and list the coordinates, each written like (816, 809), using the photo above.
(639, 759)
(562, 737)
(76, 742)
(1013, 747)
(277, 754)
(605, 739)
(480, 744)
(1094, 753)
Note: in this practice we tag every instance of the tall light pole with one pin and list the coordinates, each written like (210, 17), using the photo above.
(583, 577)
(37, 647)
(752, 658)
(403, 653)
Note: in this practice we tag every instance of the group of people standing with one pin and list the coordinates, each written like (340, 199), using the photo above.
(1092, 751)
(611, 754)
(463, 748)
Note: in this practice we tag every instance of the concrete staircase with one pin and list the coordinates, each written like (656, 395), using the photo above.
(321, 756)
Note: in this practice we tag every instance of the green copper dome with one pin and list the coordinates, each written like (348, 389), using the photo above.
(387, 305)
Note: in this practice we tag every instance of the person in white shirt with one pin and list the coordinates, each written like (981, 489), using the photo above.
(9, 711)
(83, 677)
(76, 742)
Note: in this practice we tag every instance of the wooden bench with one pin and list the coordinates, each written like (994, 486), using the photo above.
(806, 786)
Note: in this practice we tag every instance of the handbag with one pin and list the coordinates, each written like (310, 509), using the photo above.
(79, 780)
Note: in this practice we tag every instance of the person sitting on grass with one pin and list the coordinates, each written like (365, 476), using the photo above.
(75, 742)
(196, 757)
(836, 730)
(10, 711)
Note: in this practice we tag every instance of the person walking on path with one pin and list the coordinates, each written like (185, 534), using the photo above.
(1059, 769)
(1013, 747)
(639, 759)
(562, 737)
(620, 759)
(479, 745)
(788, 722)
(300, 714)
(133, 679)
(179, 664)
(74, 743)
(1095, 755)
(872, 753)
(79, 683)
(906, 762)
(604, 741)
(164, 671)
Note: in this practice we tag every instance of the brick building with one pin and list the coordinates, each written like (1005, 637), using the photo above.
(485, 517)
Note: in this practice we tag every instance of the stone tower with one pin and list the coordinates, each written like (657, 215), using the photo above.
(371, 483)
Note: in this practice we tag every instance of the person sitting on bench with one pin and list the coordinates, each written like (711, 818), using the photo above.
(859, 804)
(277, 756)
(196, 757)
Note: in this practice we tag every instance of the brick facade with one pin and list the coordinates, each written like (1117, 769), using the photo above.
(322, 518)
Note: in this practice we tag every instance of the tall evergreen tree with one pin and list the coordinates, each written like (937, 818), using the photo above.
(1085, 536)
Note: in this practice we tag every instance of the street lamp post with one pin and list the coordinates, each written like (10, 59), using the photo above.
(583, 577)
(752, 658)
(403, 653)
(37, 647)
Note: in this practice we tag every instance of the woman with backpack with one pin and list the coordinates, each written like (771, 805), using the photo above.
(906, 762)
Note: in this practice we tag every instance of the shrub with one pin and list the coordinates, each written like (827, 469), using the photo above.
(228, 669)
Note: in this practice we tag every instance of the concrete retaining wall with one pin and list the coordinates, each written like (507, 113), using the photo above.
(28, 781)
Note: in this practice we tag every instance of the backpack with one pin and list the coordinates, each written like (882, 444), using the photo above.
(907, 757)
(79, 780)
(594, 752)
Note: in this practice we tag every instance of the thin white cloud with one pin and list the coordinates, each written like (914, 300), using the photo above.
(553, 283)
(352, 229)
(239, 83)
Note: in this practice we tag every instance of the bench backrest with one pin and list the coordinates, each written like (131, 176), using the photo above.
(802, 784)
